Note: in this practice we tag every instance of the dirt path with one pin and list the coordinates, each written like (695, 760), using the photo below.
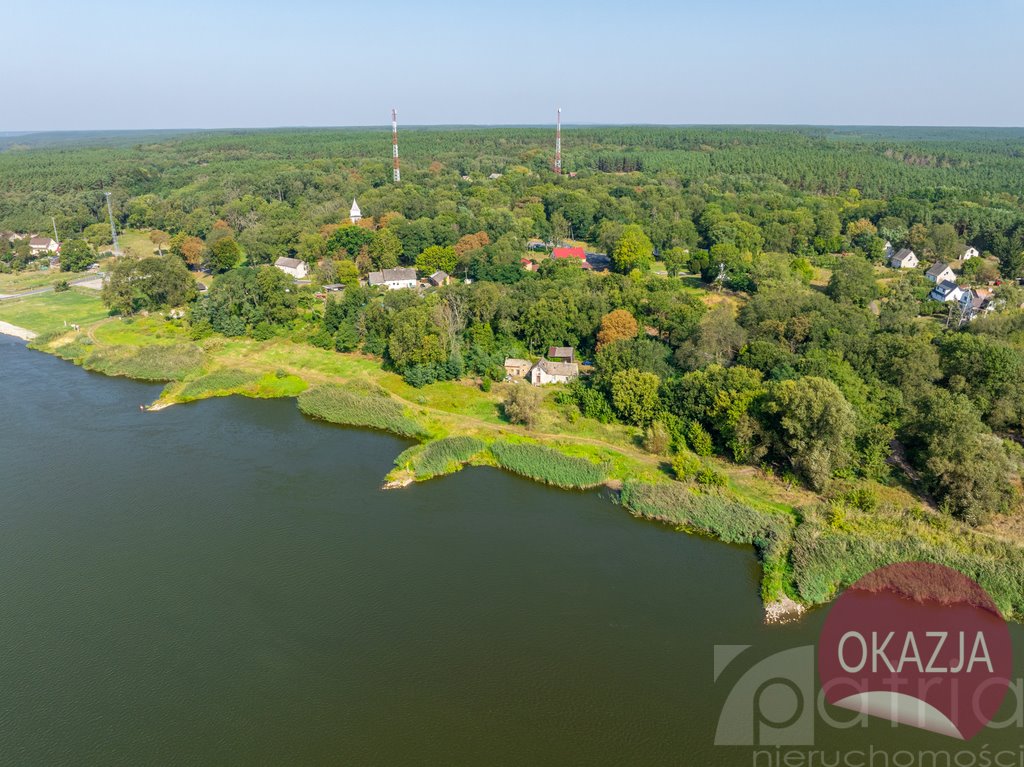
(13, 330)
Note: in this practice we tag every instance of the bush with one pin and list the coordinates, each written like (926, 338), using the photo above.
(698, 439)
(522, 404)
(419, 375)
(485, 384)
(60, 286)
(686, 465)
(549, 466)
(657, 440)
(710, 478)
(351, 405)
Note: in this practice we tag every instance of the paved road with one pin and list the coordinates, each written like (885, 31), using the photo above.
(92, 281)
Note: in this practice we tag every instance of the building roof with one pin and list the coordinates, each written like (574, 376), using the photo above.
(401, 274)
(42, 242)
(355, 212)
(945, 288)
(439, 276)
(516, 362)
(561, 351)
(569, 253)
(289, 263)
(937, 269)
(558, 368)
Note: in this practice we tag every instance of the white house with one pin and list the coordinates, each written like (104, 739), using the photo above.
(548, 372)
(940, 273)
(969, 252)
(393, 279)
(355, 215)
(292, 266)
(905, 258)
(43, 245)
(946, 291)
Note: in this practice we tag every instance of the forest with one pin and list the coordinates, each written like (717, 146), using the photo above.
(749, 311)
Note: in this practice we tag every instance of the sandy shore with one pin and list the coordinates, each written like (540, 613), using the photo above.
(13, 330)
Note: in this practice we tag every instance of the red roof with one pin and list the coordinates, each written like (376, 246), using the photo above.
(569, 253)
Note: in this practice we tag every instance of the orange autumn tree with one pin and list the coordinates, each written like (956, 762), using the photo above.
(618, 325)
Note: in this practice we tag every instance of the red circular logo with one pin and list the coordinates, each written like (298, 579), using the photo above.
(919, 644)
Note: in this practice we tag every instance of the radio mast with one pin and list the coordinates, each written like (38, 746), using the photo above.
(113, 230)
(394, 144)
(558, 142)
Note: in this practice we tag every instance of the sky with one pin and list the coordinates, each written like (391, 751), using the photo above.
(219, 64)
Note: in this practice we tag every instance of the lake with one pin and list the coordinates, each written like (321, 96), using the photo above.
(226, 583)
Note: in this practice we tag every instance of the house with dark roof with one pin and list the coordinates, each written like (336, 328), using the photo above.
(940, 273)
(562, 353)
(439, 278)
(904, 258)
(547, 372)
(43, 245)
(393, 279)
(946, 291)
(967, 252)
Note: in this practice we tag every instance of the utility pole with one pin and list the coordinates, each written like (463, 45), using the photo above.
(394, 144)
(113, 230)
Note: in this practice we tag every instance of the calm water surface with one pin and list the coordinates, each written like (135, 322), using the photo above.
(225, 583)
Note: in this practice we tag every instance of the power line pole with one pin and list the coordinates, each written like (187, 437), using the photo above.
(55, 237)
(113, 230)
(558, 142)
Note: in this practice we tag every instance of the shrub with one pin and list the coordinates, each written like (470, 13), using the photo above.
(522, 404)
(485, 384)
(549, 466)
(710, 478)
(698, 439)
(352, 405)
(686, 465)
(657, 439)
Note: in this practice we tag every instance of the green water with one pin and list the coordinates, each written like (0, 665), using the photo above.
(225, 583)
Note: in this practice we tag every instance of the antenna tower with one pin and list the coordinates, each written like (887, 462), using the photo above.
(394, 144)
(113, 230)
(55, 237)
(558, 142)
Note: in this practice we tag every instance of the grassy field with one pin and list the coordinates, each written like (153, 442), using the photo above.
(48, 312)
(30, 280)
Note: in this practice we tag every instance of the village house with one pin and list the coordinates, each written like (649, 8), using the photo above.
(11, 236)
(292, 267)
(561, 353)
(946, 291)
(548, 372)
(439, 278)
(940, 273)
(393, 279)
(968, 252)
(494, 176)
(334, 287)
(528, 265)
(517, 368)
(976, 301)
(904, 258)
(43, 245)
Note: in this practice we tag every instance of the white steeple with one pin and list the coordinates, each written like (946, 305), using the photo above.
(355, 215)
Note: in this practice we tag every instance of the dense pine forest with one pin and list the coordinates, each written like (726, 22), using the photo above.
(749, 311)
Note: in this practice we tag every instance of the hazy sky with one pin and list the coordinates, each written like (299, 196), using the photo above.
(184, 64)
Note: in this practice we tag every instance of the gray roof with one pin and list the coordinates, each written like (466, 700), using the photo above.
(40, 241)
(391, 275)
(937, 269)
(289, 263)
(561, 351)
(558, 368)
(945, 288)
(516, 362)
(439, 276)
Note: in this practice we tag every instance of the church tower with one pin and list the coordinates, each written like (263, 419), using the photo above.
(355, 215)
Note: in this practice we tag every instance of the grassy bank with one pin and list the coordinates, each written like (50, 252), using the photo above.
(809, 548)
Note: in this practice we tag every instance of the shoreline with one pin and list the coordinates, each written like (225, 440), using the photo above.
(8, 329)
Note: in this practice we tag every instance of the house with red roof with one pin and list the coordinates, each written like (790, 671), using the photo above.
(569, 253)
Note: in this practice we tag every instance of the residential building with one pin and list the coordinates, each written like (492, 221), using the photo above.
(43, 245)
(439, 278)
(393, 279)
(968, 252)
(946, 291)
(904, 258)
(547, 372)
(293, 267)
(517, 368)
(562, 353)
(571, 253)
(940, 273)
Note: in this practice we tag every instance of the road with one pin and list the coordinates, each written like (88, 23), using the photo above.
(92, 281)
